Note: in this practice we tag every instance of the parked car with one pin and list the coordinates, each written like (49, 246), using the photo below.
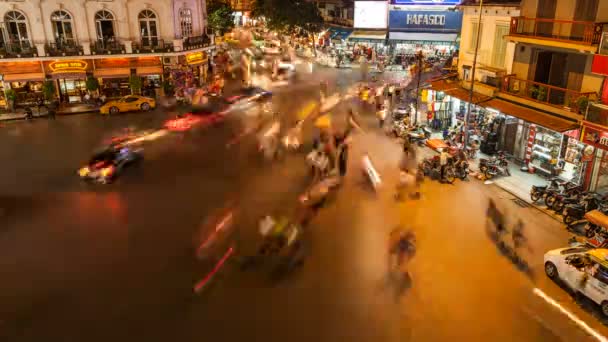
(127, 104)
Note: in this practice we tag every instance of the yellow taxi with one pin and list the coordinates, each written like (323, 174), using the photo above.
(127, 104)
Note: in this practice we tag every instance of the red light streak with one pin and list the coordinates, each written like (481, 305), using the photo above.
(217, 267)
(220, 226)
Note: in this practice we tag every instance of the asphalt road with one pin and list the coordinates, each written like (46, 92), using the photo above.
(119, 262)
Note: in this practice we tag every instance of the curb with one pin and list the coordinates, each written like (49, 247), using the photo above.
(46, 115)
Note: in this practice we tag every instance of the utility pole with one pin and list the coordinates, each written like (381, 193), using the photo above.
(466, 117)
(419, 58)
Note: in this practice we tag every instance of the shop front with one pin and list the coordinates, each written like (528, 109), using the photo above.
(70, 78)
(25, 79)
(434, 31)
(198, 64)
(594, 135)
(114, 75)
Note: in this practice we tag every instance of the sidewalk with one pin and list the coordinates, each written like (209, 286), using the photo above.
(66, 110)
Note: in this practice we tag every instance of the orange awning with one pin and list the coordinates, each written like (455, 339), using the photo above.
(149, 70)
(113, 73)
(452, 88)
(531, 115)
(32, 76)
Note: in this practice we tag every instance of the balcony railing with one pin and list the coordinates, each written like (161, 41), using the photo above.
(152, 45)
(64, 48)
(544, 93)
(107, 48)
(13, 49)
(581, 32)
(196, 42)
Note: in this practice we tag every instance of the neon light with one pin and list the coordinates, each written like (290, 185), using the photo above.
(68, 66)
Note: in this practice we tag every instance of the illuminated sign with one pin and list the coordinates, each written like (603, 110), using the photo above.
(196, 58)
(425, 21)
(370, 14)
(68, 66)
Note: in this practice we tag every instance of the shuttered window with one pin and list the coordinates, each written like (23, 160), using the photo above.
(499, 50)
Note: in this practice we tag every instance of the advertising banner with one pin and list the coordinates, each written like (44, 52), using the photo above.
(425, 21)
(371, 14)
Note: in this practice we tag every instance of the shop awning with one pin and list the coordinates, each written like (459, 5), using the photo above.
(153, 70)
(452, 88)
(339, 33)
(531, 115)
(69, 76)
(365, 36)
(32, 76)
(112, 73)
(417, 37)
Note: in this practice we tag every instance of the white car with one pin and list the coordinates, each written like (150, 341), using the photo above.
(583, 270)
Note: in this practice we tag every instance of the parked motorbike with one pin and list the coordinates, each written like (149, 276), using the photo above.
(561, 200)
(566, 189)
(461, 168)
(496, 167)
(576, 211)
(419, 134)
(500, 159)
(596, 223)
(431, 167)
(538, 192)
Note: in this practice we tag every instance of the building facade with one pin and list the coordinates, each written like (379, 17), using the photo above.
(536, 91)
(69, 40)
(337, 12)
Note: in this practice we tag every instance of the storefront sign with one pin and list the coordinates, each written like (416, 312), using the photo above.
(68, 66)
(196, 58)
(425, 21)
(595, 137)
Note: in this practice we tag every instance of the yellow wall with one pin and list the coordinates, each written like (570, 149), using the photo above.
(521, 62)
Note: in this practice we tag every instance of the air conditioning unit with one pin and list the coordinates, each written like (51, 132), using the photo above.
(170, 60)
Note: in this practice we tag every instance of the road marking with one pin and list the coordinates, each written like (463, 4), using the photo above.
(201, 284)
(570, 315)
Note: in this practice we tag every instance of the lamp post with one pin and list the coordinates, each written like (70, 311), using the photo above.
(466, 117)
(419, 58)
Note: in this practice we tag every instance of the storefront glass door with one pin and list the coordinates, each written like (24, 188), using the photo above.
(72, 91)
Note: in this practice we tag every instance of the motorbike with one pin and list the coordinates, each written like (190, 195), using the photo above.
(596, 222)
(461, 168)
(576, 211)
(431, 167)
(494, 166)
(540, 191)
(419, 134)
(567, 189)
(561, 200)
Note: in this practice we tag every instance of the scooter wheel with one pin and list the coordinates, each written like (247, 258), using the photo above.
(535, 196)
(589, 233)
(568, 219)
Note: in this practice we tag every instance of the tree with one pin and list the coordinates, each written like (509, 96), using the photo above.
(48, 90)
(289, 15)
(220, 16)
(135, 83)
(92, 84)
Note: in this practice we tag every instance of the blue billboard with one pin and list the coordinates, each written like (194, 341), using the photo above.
(425, 21)
(426, 2)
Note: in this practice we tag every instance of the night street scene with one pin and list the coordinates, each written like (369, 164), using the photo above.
(295, 170)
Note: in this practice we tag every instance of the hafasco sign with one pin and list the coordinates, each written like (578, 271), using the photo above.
(68, 66)
(421, 21)
(425, 19)
(196, 58)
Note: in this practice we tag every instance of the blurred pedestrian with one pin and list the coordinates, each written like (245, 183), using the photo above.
(443, 162)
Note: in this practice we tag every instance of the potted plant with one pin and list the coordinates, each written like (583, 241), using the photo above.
(581, 103)
(92, 83)
(135, 84)
(48, 90)
(11, 96)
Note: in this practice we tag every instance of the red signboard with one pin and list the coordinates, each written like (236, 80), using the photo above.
(595, 136)
(600, 65)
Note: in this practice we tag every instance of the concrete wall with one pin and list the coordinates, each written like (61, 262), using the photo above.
(491, 16)
(521, 61)
(126, 25)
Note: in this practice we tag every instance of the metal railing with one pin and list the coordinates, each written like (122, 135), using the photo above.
(64, 48)
(544, 93)
(152, 45)
(107, 48)
(12, 49)
(196, 42)
(582, 32)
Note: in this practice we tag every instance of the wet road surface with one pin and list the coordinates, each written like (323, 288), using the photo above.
(119, 262)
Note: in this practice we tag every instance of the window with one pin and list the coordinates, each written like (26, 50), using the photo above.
(104, 24)
(500, 46)
(185, 22)
(16, 28)
(62, 27)
(130, 99)
(147, 28)
(476, 28)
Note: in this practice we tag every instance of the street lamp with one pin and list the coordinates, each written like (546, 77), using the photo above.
(466, 117)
